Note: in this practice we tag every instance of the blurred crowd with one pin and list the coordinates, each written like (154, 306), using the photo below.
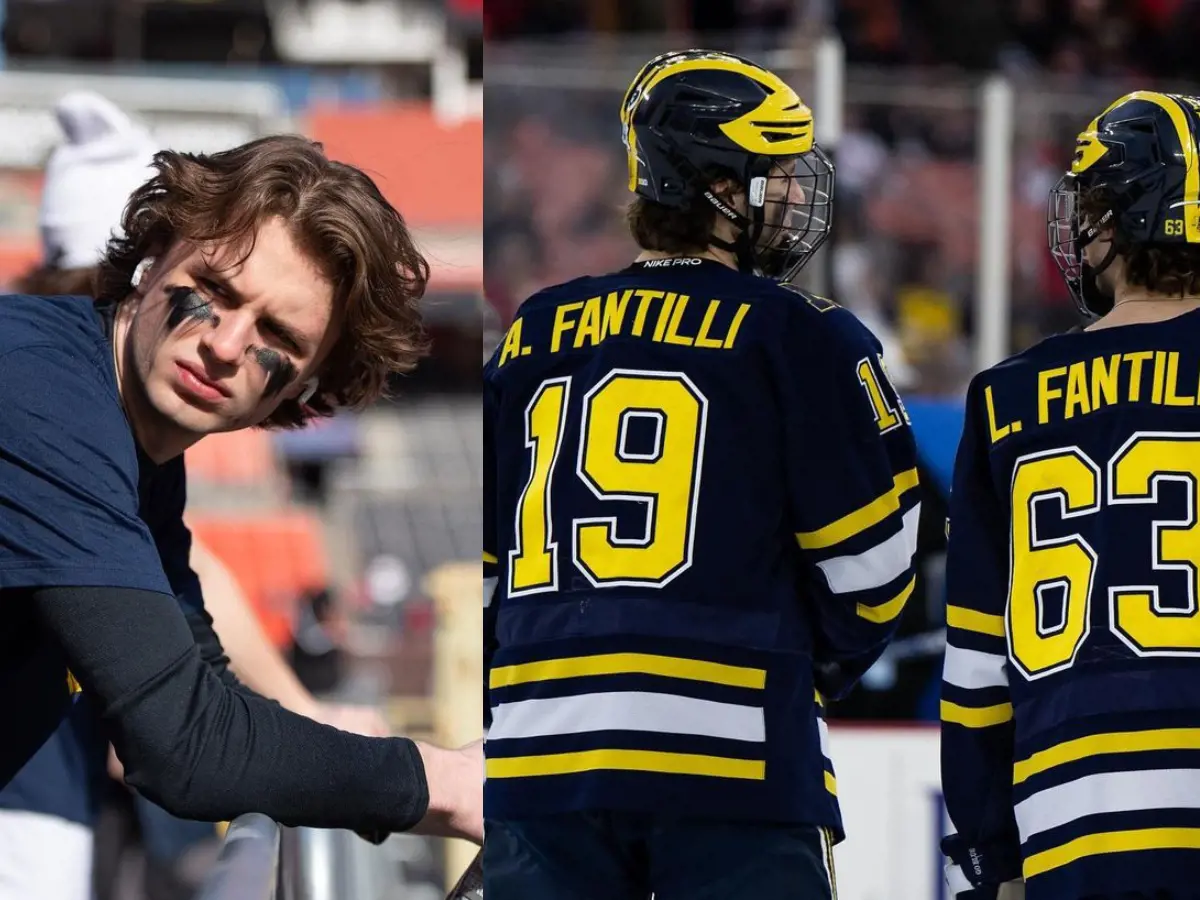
(1148, 38)
(1140, 38)
(904, 248)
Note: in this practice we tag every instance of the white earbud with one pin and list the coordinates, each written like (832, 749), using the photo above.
(310, 388)
(140, 270)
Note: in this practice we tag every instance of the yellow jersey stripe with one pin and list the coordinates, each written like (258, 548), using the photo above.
(885, 612)
(1116, 742)
(489, 557)
(976, 717)
(629, 761)
(626, 664)
(861, 519)
(830, 783)
(970, 620)
(1112, 842)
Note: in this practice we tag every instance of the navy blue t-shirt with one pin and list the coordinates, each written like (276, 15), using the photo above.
(81, 506)
(67, 775)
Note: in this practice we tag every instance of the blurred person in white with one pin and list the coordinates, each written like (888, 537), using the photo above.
(47, 808)
(52, 802)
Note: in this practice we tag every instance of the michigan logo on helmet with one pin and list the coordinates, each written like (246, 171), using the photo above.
(693, 118)
(1139, 155)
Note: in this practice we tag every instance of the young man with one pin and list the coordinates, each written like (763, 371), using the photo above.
(261, 285)
(48, 810)
(103, 159)
(1071, 695)
(701, 509)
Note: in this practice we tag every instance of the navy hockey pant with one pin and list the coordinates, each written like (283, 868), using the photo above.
(633, 856)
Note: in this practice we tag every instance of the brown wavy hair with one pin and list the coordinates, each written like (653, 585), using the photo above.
(1169, 269)
(666, 229)
(336, 215)
(686, 229)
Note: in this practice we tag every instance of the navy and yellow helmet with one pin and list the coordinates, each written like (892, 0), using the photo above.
(1142, 153)
(692, 117)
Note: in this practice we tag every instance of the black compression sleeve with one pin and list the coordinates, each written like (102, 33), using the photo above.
(211, 651)
(204, 751)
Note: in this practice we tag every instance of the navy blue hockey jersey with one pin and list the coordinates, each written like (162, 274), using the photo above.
(1071, 695)
(701, 508)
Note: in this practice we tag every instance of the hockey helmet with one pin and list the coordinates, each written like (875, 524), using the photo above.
(693, 117)
(1142, 153)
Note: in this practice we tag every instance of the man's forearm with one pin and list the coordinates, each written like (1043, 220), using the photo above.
(204, 751)
(455, 776)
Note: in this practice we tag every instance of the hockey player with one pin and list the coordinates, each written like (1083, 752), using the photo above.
(701, 508)
(1071, 696)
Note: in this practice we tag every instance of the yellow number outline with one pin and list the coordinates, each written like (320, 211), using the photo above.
(1135, 612)
(891, 385)
(1037, 564)
(611, 472)
(596, 545)
(886, 416)
(544, 562)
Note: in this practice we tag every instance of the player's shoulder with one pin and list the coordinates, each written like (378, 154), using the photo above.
(70, 324)
(557, 294)
(538, 309)
(1052, 350)
(55, 353)
(819, 321)
(539, 300)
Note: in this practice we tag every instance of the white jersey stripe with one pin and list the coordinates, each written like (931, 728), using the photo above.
(973, 670)
(627, 711)
(882, 564)
(1108, 792)
(823, 733)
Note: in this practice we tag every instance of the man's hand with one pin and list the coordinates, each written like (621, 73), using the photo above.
(455, 779)
(365, 720)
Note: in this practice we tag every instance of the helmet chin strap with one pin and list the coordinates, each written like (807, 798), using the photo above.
(1097, 301)
(749, 229)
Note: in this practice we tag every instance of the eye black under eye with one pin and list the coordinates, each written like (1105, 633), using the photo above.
(188, 304)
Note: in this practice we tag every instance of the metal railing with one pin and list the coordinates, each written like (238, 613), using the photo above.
(261, 860)
(248, 863)
(331, 865)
